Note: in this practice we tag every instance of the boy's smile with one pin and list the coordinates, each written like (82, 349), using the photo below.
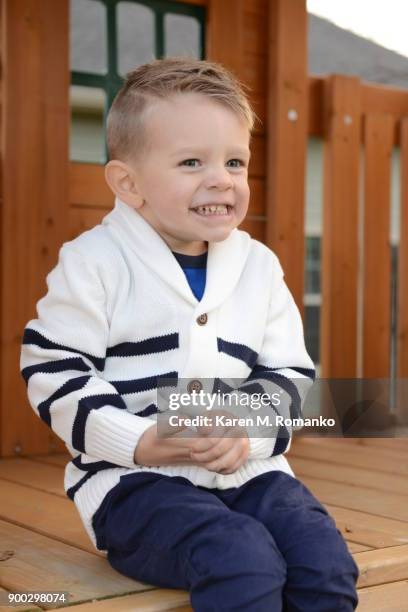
(192, 185)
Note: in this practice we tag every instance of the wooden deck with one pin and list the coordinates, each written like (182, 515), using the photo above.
(363, 484)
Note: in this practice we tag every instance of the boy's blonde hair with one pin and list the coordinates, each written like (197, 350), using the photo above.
(127, 138)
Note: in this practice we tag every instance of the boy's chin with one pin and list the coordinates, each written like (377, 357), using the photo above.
(218, 235)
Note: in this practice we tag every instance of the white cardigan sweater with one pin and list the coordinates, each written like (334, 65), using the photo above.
(119, 313)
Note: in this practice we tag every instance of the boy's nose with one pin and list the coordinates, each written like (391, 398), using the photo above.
(220, 178)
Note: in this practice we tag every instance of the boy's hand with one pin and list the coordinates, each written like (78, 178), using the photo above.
(220, 453)
(216, 453)
(167, 449)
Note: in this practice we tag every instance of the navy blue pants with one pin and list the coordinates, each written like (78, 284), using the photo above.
(266, 546)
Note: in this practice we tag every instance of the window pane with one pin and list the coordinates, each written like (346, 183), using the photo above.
(181, 36)
(88, 38)
(87, 139)
(312, 279)
(135, 32)
(312, 323)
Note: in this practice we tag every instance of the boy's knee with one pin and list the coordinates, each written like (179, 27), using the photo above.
(238, 544)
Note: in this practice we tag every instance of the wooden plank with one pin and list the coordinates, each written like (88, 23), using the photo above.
(340, 223)
(351, 475)
(381, 566)
(255, 67)
(15, 608)
(354, 547)
(331, 451)
(36, 119)
(39, 563)
(45, 514)
(377, 254)
(257, 164)
(390, 505)
(46, 478)
(375, 98)
(390, 597)
(286, 138)
(255, 226)
(225, 34)
(402, 313)
(151, 601)
(385, 445)
(59, 460)
(368, 529)
(255, 31)
(87, 186)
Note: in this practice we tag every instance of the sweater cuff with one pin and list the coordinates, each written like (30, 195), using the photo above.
(113, 434)
(261, 448)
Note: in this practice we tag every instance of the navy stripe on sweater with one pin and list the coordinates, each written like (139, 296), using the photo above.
(262, 372)
(71, 385)
(93, 466)
(31, 336)
(72, 490)
(50, 367)
(138, 385)
(304, 371)
(85, 406)
(158, 344)
(239, 351)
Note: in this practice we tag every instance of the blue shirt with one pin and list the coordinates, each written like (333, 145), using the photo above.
(195, 269)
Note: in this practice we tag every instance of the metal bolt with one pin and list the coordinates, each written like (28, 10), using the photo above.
(348, 120)
(292, 114)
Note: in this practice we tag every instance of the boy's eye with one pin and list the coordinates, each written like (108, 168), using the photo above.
(240, 162)
(186, 162)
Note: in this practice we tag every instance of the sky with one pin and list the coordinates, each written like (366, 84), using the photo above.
(382, 21)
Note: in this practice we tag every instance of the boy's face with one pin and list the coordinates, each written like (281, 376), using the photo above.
(198, 159)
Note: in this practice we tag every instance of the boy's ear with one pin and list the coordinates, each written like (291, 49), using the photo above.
(122, 181)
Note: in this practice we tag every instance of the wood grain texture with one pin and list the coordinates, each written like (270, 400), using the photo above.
(39, 563)
(340, 228)
(402, 293)
(376, 314)
(35, 120)
(286, 138)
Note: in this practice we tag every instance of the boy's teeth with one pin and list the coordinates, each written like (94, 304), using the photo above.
(219, 209)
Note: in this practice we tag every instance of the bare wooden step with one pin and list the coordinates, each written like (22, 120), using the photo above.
(394, 483)
(391, 505)
(151, 601)
(354, 547)
(382, 566)
(392, 597)
(330, 451)
(43, 564)
(58, 459)
(44, 477)
(44, 513)
(369, 529)
(15, 608)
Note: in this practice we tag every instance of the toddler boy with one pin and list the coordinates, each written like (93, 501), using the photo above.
(167, 288)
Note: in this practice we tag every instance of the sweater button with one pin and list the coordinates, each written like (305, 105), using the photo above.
(194, 385)
(202, 319)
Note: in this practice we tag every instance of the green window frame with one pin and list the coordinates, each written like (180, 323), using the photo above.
(111, 81)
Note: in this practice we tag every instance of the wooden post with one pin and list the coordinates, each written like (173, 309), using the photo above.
(377, 256)
(340, 227)
(34, 190)
(402, 285)
(225, 34)
(287, 138)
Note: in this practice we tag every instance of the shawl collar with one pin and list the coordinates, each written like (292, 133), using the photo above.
(225, 260)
